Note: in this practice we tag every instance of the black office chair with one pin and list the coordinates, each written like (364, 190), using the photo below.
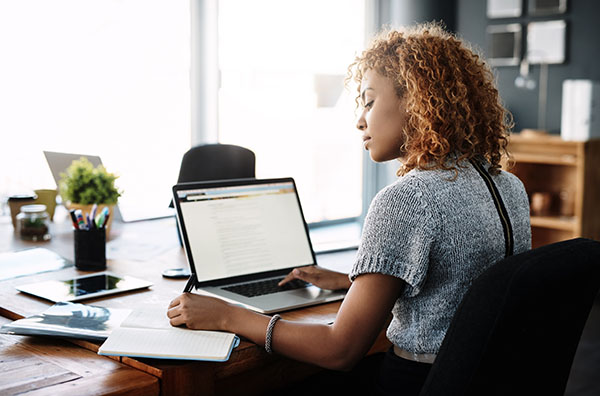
(517, 329)
(216, 162)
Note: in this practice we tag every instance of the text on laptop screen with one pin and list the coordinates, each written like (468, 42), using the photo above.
(246, 229)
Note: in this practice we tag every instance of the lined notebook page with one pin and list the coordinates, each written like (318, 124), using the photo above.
(173, 343)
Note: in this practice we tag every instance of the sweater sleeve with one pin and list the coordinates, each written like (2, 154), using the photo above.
(397, 236)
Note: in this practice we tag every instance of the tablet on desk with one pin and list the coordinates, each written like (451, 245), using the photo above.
(83, 287)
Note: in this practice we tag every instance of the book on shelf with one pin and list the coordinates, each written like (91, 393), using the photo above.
(71, 320)
(148, 334)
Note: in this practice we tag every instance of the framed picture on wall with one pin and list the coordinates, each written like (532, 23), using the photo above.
(504, 8)
(546, 42)
(504, 44)
(546, 7)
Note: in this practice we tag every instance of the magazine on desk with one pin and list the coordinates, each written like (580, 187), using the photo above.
(148, 334)
(72, 320)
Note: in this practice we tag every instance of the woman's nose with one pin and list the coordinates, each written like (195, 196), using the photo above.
(361, 124)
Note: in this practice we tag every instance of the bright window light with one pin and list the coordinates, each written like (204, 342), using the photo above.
(102, 77)
(282, 68)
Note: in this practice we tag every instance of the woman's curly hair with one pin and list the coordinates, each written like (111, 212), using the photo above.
(452, 103)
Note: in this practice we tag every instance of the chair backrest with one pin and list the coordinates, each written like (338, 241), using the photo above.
(517, 328)
(216, 162)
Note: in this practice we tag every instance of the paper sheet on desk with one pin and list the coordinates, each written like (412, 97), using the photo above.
(155, 318)
(30, 261)
(139, 245)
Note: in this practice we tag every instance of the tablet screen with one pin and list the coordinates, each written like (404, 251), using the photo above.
(93, 284)
(83, 287)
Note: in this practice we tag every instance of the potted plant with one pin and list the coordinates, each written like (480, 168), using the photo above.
(81, 186)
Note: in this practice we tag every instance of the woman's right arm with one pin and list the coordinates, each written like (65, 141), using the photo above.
(339, 346)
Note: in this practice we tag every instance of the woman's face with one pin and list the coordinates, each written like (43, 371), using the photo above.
(383, 117)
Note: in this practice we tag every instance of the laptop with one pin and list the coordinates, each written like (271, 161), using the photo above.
(242, 236)
(134, 211)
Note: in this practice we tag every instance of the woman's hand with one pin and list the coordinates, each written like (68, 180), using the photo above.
(198, 312)
(320, 277)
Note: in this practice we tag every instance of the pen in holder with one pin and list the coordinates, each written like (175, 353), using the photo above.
(90, 249)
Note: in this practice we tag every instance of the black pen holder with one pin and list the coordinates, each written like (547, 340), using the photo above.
(90, 249)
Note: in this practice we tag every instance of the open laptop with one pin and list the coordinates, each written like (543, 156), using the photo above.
(134, 211)
(242, 236)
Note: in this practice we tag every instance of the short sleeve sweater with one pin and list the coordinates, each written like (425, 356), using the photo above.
(437, 233)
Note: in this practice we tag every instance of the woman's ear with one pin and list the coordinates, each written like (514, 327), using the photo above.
(403, 104)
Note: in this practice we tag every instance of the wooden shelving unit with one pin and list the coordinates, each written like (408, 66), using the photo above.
(567, 174)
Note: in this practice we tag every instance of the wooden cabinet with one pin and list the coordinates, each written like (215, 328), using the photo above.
(562, 180)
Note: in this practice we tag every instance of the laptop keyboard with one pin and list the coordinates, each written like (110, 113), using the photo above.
(269, 286)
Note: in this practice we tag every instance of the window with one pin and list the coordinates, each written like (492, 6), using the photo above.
(104, 77)
(282, 67)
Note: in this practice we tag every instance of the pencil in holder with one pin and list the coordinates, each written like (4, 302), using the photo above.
(90, 249)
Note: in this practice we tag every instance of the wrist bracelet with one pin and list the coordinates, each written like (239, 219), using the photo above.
(269, 335)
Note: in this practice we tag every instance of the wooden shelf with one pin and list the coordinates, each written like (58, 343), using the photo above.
(554, 222)
(565, 159)
(566, 172)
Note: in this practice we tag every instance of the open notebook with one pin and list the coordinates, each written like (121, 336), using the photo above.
(148, 334)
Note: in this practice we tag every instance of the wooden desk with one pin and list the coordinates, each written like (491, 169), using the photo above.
(44, 366)
(250, 370)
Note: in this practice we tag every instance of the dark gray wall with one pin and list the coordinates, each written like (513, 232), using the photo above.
(583, 56)
(408, 12)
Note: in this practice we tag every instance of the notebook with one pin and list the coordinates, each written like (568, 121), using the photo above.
(242, 236)
(147, 333)
(128, 209)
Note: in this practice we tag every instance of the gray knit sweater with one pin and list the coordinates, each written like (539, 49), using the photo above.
(437, 234)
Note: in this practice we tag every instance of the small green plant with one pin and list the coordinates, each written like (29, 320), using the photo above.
(84, 184)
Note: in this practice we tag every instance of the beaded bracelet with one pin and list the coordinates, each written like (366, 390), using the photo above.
(269, 335)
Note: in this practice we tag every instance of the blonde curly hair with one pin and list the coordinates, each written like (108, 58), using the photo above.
(452, 103)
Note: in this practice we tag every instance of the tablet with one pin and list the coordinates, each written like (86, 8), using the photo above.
(83, 287)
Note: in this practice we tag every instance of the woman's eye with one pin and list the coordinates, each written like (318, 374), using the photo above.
(369, 105)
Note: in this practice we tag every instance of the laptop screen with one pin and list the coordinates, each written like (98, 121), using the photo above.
(244, 229)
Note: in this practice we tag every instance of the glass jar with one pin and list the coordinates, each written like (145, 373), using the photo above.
(33, 223)
(15, 202)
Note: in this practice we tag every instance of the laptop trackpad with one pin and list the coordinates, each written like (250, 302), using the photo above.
(311, 292)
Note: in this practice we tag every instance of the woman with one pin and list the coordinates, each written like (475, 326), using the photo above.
(430, 102)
